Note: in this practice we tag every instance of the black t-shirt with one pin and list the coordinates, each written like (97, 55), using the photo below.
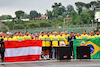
(70, 38)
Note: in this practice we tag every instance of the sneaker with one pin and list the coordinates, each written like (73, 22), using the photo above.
(44, 58)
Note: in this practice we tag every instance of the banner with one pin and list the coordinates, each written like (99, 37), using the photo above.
(28, 50)
(94, 47)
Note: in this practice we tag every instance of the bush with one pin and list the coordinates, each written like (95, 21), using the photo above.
(45, 24)
(18, 26)
(33, 25)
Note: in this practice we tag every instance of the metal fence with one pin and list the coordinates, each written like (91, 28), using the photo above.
(74, 28)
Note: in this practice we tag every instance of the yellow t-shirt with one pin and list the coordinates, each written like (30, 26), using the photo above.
(27, 37)
(55, 41)
(61, 39)
(15, 37)
(12, 39)
(1, 38)
(78, 37)
(66, 39)
(84, 36)
(42, 38)
(48, 40)
(91, 37)
(5, 39)
(97, 36)
(20, 38)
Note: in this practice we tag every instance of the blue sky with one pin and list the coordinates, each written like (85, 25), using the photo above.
(10, 6)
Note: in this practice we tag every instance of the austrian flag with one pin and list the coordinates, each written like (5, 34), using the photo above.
(28, 50)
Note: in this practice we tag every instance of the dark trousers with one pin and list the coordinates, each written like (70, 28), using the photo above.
(2, 55)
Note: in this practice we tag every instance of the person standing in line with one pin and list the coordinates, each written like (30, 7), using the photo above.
(27, 36)
(84, 35)
(54, 45)
(61, 39)
(42, 37)
(48, 45)
(97, 35)
(91, 36)
(78, 36)
(66, 37)
(70, 40)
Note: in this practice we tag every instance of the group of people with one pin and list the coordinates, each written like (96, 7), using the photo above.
(50, 41)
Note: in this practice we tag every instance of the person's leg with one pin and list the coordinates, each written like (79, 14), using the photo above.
(51, 53)
(48, 52)
(44, 53)
(2, 56)
(55, 53)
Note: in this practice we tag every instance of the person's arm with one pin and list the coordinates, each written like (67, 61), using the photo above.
(69, 40)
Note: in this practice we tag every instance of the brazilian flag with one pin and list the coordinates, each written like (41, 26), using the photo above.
(94, 46)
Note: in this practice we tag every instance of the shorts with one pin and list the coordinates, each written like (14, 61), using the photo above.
(48, 48)
(43, 48)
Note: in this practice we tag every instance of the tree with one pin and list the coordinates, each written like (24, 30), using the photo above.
(93, 4)
(79, 6)
(34, 14)
(19, 14)
(49, 14)
(25, 16)
(79, 9)
(69, 8)
(64, 15)
(61, 10)
(86, 17)
(56, 5)
(55, 12)
(88, 5)
(4, 17)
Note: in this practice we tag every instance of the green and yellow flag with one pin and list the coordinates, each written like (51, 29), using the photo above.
(94, 46)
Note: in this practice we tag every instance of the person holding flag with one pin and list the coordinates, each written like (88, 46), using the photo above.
(61, 39)
(78, 36)
(84, 35)
(20, 37)
(91, 35)
(12, 38)
(27, 36)
(97, 35)
(66, 37)
(42, 37)
(70, 40)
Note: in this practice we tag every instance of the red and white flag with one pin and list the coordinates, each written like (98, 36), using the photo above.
(28, 50)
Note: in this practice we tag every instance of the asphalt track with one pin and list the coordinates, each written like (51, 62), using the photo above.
(53, 63)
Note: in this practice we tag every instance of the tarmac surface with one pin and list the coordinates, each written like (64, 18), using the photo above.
(53, 63)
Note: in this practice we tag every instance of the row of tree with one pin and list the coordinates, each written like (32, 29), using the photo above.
(83, 13)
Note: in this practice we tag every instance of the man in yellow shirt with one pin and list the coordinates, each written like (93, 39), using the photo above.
(15, 35)
(97, 35)
(42, 37)
(61, 38)
(84, 35)
(27, 36)
(78, 36)
(54, 44)
(20, 37)
(66, 37)
(91, 35)
(4, 37)
(11, 38)
(48, 44)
